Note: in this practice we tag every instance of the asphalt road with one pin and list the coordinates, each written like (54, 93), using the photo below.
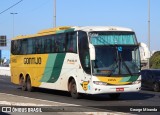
(132, 100)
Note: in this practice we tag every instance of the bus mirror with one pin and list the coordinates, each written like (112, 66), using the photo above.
(92, 52)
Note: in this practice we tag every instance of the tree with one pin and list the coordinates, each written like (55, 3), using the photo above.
(155, 60)
(1, 61)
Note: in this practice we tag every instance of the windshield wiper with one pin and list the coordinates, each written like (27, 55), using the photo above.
(117, 63)
(114, 68)
(127, 68)
(129, 71)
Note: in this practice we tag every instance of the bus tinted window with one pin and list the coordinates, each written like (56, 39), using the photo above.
(106, 38)
(47, 44)
(84, 51)
(71, 42)
(38, 46)
(30, 46)
(24, 46)
(16, 47)
(59, 43)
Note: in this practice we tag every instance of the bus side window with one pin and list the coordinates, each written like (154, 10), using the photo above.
(48, 44)
(74, 37)
(59, 43)
(52, 46)
(18, 47)
(71, 42)
(84, 51)
(15, 47)
(33, 46)
(62, 42)
(24, 46)
(30, 46)
(56, 48)
(42, 45)
(38, 45)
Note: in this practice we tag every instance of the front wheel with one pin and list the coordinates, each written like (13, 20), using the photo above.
(114, 95)
(73, 90)
(156, 87)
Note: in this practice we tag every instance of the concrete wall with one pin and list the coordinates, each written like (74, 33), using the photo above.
(5, 71)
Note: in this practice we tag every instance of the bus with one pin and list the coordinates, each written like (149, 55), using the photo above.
(80, 60)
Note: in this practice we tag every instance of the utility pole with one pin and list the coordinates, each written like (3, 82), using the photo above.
(13, 21)
(149, 33)
(55, 13)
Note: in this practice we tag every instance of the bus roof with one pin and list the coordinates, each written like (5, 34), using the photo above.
(45, 32)
(73, 28)
(102, 28)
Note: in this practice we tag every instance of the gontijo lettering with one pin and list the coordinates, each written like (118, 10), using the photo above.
(33, 60)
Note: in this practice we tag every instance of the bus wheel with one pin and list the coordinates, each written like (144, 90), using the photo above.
(23, 83)
(29, 86)
(156, 87)
(114, 96)
(73, 90)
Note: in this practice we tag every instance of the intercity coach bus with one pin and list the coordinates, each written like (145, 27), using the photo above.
(81, 60)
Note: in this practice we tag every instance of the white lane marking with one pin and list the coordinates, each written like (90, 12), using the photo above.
(21, 104)
(52, 102)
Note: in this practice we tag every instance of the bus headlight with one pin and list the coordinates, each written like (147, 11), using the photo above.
(136, 82)
(99, 83)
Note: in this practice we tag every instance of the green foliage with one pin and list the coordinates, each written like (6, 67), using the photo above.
(1, 61)
(155, 60)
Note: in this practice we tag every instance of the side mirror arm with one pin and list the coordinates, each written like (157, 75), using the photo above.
(92, 52)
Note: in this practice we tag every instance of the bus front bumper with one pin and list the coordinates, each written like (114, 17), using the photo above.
(101, 89)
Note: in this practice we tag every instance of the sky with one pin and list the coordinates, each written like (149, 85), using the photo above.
(36, 15)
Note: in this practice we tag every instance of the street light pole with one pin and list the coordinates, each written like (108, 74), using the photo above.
(13, 21)
(55, 13)
(149, 33)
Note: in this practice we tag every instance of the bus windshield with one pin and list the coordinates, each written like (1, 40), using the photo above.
(115, 59)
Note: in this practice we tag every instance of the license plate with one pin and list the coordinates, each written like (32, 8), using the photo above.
(119, 89)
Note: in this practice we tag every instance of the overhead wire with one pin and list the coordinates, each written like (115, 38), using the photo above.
(11, 7)
(44, 3)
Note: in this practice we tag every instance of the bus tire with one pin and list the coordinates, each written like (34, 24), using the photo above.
(29, 85)
(22, 83)
(114, 96)
(156, 87)
(73, 89)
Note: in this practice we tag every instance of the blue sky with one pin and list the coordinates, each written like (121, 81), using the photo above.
(36, 15)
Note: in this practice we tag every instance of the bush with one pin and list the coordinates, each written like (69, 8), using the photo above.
(155, 60)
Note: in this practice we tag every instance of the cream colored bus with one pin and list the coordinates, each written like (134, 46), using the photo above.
(81, 60)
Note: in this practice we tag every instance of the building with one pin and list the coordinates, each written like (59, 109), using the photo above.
(144, 53)
(4, 47)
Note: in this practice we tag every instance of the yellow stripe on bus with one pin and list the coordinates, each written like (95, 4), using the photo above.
(112, 80)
